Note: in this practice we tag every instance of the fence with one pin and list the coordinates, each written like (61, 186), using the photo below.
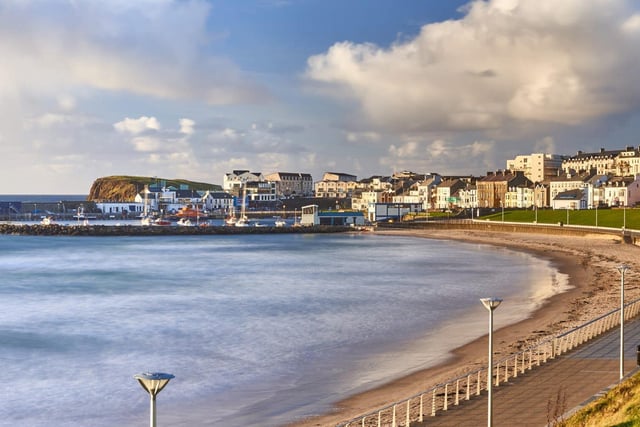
(451, 393)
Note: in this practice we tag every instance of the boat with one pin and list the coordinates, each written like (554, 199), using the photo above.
(188, 212)
(161, 222)
(145, 219)
(243, 221)
(185, 222)
(231, 218)
(280, 222)
(47, 220)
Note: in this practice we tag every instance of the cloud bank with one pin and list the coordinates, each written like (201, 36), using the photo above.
(156, 48)
(506, 62)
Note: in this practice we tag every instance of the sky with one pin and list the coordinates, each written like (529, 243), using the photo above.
(195, 89)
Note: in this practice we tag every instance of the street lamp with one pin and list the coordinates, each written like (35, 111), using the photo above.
(153, 383)
(490, 304)
(622, 269)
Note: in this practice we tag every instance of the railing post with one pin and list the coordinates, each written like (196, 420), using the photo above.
(457, 399)
(393, 417)
(408, 419)
(421, 414)
(433, 403)
(468, 387)
(478, 391)
(445, 404)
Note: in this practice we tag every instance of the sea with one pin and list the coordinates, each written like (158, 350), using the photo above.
(257, 329)
(42, 198)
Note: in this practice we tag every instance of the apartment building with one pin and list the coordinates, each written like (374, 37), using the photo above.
(291, 184)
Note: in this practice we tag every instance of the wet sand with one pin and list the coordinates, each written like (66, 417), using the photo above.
(589, 261)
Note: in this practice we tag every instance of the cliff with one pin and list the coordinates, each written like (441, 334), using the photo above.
(125, 188)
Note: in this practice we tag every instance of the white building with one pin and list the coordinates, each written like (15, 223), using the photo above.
(537, 166)
(336, 185)
(234, 181)
(571, 199)
(219, 202)
(120, 209)
(622, 191)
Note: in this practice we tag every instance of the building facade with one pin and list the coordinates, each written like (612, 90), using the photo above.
(537, 166)
(291, 184)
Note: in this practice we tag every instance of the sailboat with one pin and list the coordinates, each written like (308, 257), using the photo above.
(231, 217)
(146, 219)
(243, 221)
(280, 222)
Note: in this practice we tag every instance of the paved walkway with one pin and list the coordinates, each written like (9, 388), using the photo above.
(550, 389)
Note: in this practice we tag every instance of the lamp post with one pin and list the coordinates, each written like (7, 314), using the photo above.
(597, 214)
(490, 304)
(153, 383)
(502, 205)
(622, 269)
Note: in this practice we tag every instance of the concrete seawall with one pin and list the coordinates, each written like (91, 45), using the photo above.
(629, 236)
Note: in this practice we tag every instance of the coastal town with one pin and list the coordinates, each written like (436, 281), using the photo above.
(586, 180)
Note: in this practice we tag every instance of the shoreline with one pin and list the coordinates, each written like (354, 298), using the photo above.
(590, 263)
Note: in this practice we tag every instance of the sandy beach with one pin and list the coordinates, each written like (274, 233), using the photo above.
(590, 262)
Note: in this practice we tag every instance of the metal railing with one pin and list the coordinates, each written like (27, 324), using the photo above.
(444, 396)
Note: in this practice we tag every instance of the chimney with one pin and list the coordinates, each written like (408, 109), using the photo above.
(602, 150)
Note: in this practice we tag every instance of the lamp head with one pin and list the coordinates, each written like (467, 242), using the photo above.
(153, 382)
(491, 303)
(623, 268)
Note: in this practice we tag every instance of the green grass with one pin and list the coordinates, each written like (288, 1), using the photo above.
(620, 407)
(614, 218)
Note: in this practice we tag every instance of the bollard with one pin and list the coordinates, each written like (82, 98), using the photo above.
(638, 355)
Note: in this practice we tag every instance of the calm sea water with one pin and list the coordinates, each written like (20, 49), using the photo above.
(258, 330)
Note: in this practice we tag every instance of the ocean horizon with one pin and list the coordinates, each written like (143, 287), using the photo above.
(42, 198)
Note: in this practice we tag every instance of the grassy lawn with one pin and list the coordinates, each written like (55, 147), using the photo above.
(619, 407)
(615, 218)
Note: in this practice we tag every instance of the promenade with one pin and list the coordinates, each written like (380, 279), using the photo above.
(552, 389)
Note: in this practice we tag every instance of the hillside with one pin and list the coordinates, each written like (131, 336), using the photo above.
(125, 188)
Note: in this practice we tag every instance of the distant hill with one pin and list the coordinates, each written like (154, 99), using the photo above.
(125, 188)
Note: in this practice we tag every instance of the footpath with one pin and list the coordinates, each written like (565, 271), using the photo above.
(549, 392)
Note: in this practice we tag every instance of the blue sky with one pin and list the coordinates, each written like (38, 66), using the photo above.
(197, 88)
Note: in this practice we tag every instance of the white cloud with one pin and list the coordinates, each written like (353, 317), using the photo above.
(186, 126)
(137, 126)
(362, 136)
(146, 144)
(151, 48)
(504, 62)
